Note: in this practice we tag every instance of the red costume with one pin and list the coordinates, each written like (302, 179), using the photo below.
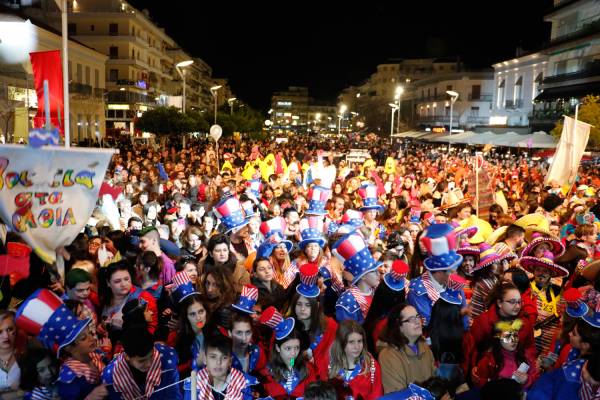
(277, 391)
(321, 352)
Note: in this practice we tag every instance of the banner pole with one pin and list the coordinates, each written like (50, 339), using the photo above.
(65, 68)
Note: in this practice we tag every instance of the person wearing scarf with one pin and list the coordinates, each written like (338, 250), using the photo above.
(144, 370)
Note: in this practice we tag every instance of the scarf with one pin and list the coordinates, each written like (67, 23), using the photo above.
(588, 392)
(234, 386)
(360, 299)
(429, 285)
(41, 393)
(91, 375)
(123, 379)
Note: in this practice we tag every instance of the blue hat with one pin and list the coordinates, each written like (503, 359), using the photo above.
(353, 252)
(254, 186)
(274, 320)
(311, 230)
(440, 244)
(317, 199)
(368, 194)
(45, 316)
(454, 289)
(247, 299)
(248, 207)
(309, 273)
(418, 393)
(576, 308)
(182, 287)
(350, 221)
(592, 318)
(266, 248)
(230, 213)
(396, 278)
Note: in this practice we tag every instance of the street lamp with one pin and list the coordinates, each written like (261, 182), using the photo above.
(343, 109)
(453, 96)
(213, 90)
(398, 94)
(180, 68)
(394, 107)
(230, 101)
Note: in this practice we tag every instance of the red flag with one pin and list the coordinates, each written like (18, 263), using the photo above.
(46, 65)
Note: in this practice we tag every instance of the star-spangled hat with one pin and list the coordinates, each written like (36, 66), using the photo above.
(317, 199)
(268, 245)
(396, 278)
(248, 207)
(247, 299)
(593, 318)
(182, 287)
(254, 186)
(353, 252)
(547, 261)
(309, 273)
(454, 287)
(45, 316)
(576, 307)
(230, 213)
(418, 393)
(440, 244)
(368, 194)
(311, 231)
(272, 226)
(350, 221)
(274, 320)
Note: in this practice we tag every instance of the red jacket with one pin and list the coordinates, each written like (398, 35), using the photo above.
(275, 390)
(321, 352)
(487, 370)
(529, 308)
(368, 386)
(478, 339)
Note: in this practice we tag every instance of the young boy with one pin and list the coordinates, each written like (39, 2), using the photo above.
(270, 293)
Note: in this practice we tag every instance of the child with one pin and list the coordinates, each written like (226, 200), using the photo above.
(38, 374)
(270, 292)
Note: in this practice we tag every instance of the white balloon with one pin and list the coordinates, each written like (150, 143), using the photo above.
(17, 40)
(215, 132)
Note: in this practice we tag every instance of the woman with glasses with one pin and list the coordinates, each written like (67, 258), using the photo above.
(403, 354)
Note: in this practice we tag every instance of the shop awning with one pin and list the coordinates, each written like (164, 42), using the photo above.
(566, 92)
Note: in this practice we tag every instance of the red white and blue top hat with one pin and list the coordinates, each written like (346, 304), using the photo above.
(353, 252)
(254, 186)
(311, 230)
(368, 194)
(317, 199)
(274, 320)
(309, 273)
(593, 318)
(440, 244)
(182, 287)
(268, 245)
(272, 226)
(248, 207)
(576, 307)
(45, 316)
(230, 212)
(454, 289)
(247, 299)
(350, 221)
(396, 278)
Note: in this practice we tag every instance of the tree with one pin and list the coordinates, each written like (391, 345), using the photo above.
(589, 111)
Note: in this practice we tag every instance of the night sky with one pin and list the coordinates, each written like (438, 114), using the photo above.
(264, 46)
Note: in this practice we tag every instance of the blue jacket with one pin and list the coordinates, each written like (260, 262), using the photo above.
(347, 307)
(419, 299)
(170, 375)
(72, 387)
(412, 391)
(561, 384)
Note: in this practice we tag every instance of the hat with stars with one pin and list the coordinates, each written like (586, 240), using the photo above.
(254, 186)
(317, 199)
(247, 299)
(273, 226)
(230, 213)
(182, 287)
(311, 230)
(576, 307)
(454, 289)
(353, 252)
(274, 320)
(45, 316)
(368, 194)
(440, 244)
(309, 274)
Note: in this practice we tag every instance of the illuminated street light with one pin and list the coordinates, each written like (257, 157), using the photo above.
(180, 68)
(231, 101)
(213, 90)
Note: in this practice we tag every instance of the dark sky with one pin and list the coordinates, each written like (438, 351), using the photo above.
(264, 46)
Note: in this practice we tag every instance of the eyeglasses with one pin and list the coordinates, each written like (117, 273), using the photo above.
(413, 320)
(513, 302)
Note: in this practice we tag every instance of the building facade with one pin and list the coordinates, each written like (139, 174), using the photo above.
(295, 111)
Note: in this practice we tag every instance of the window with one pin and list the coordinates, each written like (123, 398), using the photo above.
(72, 29)
(132, 54)
(536, 84)
(476, 92)
(79, 76)
(500, 96)
(435, 92)
(114, 52)
(113, 29)
(518, 92)
(92, 28)
(87, 75)
(474, 111)
(96, 78)
(560, 67)
(70, 68)
(449, 87)
(113, 75)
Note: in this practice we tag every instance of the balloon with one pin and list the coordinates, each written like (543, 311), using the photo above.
(215, 132)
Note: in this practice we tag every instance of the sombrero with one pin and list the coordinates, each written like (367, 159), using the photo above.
(484, 229)
(487, 257)
(547, 261)
(557, 247)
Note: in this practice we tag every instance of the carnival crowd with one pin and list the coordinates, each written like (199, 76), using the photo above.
(284, 271)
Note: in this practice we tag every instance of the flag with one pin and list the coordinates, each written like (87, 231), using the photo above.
(572, 144)
(46, 66)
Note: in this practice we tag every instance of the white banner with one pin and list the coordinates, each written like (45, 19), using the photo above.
(47, 195)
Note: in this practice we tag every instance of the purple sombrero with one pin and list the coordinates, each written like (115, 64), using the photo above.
(557, 247)
(487, 257)
(547, 261)
(469, 250)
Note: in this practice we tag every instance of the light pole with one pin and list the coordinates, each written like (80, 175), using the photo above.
(213, 90)
(230, 101)
(342, 111)
(394, 107)
(453, 96)
(397, 96)
(180, 67)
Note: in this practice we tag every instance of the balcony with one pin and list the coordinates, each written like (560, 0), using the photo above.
(443, 119)
(80, 90)
(130, 97)
(591, 70)
(475, 119)
(513, 104)
(480, 97)
(579, 30)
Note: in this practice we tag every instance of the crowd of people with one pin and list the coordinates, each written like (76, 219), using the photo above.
(283, 271)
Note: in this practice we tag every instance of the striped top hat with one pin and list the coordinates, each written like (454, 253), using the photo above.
(272, 226)
(182, 287)
(368, 194)
(454, 289)
(487, 257)
(45, 316)
(353, 252)
(576, 307)
(556, 247)
(440, 244)
(268, 245)
(248, 207)
(230, 213)
(274, 320)
(396, 278)
(546, 261)
(247, 299)
(317, 199)
(254, 186)
(311, 230)
(309, 273)
(350, 221)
